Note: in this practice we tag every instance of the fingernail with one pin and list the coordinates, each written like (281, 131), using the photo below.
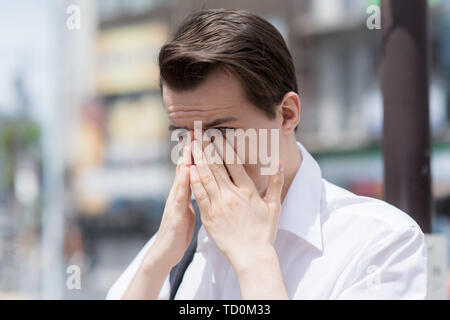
(281, 166)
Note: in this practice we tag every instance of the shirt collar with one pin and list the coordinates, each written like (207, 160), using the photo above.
(300, 213)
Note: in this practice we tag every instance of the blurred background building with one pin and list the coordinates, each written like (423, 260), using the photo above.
(84, 146)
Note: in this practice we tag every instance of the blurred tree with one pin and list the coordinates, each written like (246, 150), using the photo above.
(19, 138)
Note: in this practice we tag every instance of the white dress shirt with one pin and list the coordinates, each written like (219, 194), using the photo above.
(331, 244)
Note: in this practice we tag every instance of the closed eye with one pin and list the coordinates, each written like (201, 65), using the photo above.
(223, 129)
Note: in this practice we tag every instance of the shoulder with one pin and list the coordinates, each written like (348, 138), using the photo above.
(377, 241)
(338, 203)
(367, 226)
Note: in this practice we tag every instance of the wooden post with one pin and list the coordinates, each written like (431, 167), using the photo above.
(404, 81)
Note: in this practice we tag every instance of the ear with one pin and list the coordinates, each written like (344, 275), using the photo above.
(290, 109)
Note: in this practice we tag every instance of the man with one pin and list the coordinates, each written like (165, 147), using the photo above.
(287, 235)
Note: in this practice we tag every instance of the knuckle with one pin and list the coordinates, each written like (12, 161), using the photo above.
(208, 179)
(230, 202)
(246, 192)
(278, 179)
(178, 169)
(275, 208)
(216, 166)
(180, 197)
(202, 196)
(195, 180)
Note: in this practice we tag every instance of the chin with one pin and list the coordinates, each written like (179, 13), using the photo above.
(259, 180)
(261, 186)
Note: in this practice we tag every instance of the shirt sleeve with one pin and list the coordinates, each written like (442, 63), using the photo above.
(393, 268)
(121, 285)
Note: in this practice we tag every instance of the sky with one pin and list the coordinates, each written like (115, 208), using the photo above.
(28, 44)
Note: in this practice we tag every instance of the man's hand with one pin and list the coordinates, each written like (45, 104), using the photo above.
(177, 224)
(236, 217)
(241, 223)
(173, 237)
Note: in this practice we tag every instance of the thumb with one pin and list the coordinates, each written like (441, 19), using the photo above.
(273, 193)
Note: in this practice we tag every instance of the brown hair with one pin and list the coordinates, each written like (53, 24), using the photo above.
(241, 42)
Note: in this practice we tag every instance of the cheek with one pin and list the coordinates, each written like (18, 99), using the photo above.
(254, 172)
(247, 150)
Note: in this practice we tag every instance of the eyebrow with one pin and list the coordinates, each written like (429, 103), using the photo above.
(208, 125)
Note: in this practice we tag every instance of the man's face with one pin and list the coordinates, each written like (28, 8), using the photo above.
(219, 102)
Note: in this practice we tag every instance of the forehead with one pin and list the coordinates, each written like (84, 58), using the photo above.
(219, 95)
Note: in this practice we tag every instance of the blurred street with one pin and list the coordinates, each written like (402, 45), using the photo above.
(114, 255)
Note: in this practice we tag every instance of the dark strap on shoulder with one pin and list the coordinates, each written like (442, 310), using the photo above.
(177, 272)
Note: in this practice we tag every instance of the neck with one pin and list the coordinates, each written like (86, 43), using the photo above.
(292, 160)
